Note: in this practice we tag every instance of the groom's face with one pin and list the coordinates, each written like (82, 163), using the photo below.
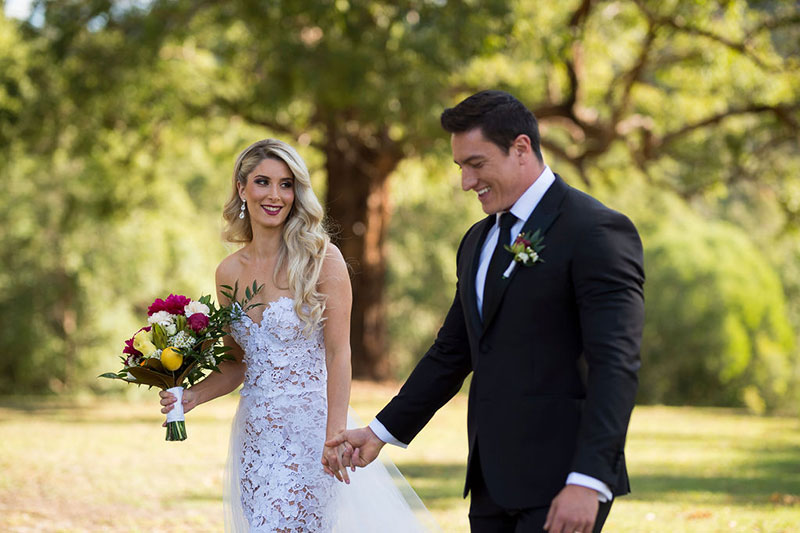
(496, 177)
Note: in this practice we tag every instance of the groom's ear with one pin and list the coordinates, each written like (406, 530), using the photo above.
(521, 145)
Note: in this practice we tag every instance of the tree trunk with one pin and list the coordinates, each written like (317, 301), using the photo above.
(359, 207)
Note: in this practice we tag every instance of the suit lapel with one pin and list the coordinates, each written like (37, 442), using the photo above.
(472, 253)
(542, 218)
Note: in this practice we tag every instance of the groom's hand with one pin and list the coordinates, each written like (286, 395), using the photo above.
(362, 446)
(574, 510)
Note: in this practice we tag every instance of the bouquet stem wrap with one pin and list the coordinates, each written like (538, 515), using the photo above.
(176, 425)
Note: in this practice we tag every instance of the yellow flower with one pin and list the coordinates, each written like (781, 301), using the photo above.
(143, 342)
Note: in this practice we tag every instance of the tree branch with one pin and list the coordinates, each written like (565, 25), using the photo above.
(632, 76)
(781, 112)
(773, 24)
(681, 25)
(559, 152)
(581, 13)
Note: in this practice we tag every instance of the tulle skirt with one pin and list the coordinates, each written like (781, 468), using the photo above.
(378, 497)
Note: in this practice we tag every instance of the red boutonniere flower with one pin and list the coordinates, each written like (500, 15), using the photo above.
(526, 248)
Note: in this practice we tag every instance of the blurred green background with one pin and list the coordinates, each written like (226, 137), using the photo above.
(120, 121)
(119, 124)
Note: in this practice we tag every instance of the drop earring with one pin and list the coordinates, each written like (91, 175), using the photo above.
(241, 211)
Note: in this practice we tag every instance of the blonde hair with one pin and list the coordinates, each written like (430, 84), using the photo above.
(305, 240)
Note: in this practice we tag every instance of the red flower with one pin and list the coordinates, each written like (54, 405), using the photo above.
(176, 303)
(129, 349)
(173, 305)
(155, 307)
(198, 322)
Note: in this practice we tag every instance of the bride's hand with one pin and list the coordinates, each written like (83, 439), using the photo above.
(362, 446)
(332, 462)
(168, 399)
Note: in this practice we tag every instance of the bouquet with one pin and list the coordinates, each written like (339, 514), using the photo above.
(181, 343)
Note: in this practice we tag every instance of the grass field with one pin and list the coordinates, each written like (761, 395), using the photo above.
(102, 465)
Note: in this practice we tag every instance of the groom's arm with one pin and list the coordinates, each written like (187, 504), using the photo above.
(439, 374)
(434, 381)
(608, 277)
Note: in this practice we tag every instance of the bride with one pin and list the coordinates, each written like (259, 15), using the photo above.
(293, 356)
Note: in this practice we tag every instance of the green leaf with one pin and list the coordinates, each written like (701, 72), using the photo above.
(146, 376)
(186, 373)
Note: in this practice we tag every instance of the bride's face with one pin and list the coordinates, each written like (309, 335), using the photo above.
(269, 193)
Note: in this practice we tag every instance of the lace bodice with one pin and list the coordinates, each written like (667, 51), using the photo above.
(284, 409)
(280, 359)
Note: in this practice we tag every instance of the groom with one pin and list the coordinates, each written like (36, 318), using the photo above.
(552, 342)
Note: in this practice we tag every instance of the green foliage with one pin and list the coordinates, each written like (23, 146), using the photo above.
(718, 321)
(118, 127)
(431, 215)
(105, 208)
(717, 331)
(371, 65)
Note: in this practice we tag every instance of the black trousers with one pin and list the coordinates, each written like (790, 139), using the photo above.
(485, 516)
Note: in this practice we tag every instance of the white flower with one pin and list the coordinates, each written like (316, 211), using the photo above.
(534, 257)
(181, 340)
(522, 256)
(171, 329)
(196, 307)
(163, 318)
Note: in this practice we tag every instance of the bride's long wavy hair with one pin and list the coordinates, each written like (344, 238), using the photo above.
(305, 240)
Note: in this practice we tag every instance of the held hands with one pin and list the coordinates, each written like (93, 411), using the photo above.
(168, 399)
(332, 461)
(359, 448)
(573, 510)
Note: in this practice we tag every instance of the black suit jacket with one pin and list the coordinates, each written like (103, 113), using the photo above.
(555, 362)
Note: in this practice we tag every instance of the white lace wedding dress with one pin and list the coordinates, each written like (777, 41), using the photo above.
(274, 479)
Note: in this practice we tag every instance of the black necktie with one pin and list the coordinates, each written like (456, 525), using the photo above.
(499, 262)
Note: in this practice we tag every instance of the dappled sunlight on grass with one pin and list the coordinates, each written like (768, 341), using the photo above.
(102, 465)
(701, 470)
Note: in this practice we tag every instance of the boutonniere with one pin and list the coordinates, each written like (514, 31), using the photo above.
(526, 248)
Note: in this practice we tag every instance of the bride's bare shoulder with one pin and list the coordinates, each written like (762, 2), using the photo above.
(229, 270)
(334, 263)
(334, 272)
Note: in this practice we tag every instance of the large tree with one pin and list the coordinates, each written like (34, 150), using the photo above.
(698, 97)
(363, 82)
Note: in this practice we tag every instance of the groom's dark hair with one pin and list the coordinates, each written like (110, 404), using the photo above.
(500, 116)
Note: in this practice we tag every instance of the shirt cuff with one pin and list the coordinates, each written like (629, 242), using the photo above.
(382, 433)
(603, 492)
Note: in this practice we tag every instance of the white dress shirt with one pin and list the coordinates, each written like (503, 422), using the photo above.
(521, 209)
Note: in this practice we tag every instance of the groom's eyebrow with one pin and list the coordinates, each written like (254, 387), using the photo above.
(470, 160)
